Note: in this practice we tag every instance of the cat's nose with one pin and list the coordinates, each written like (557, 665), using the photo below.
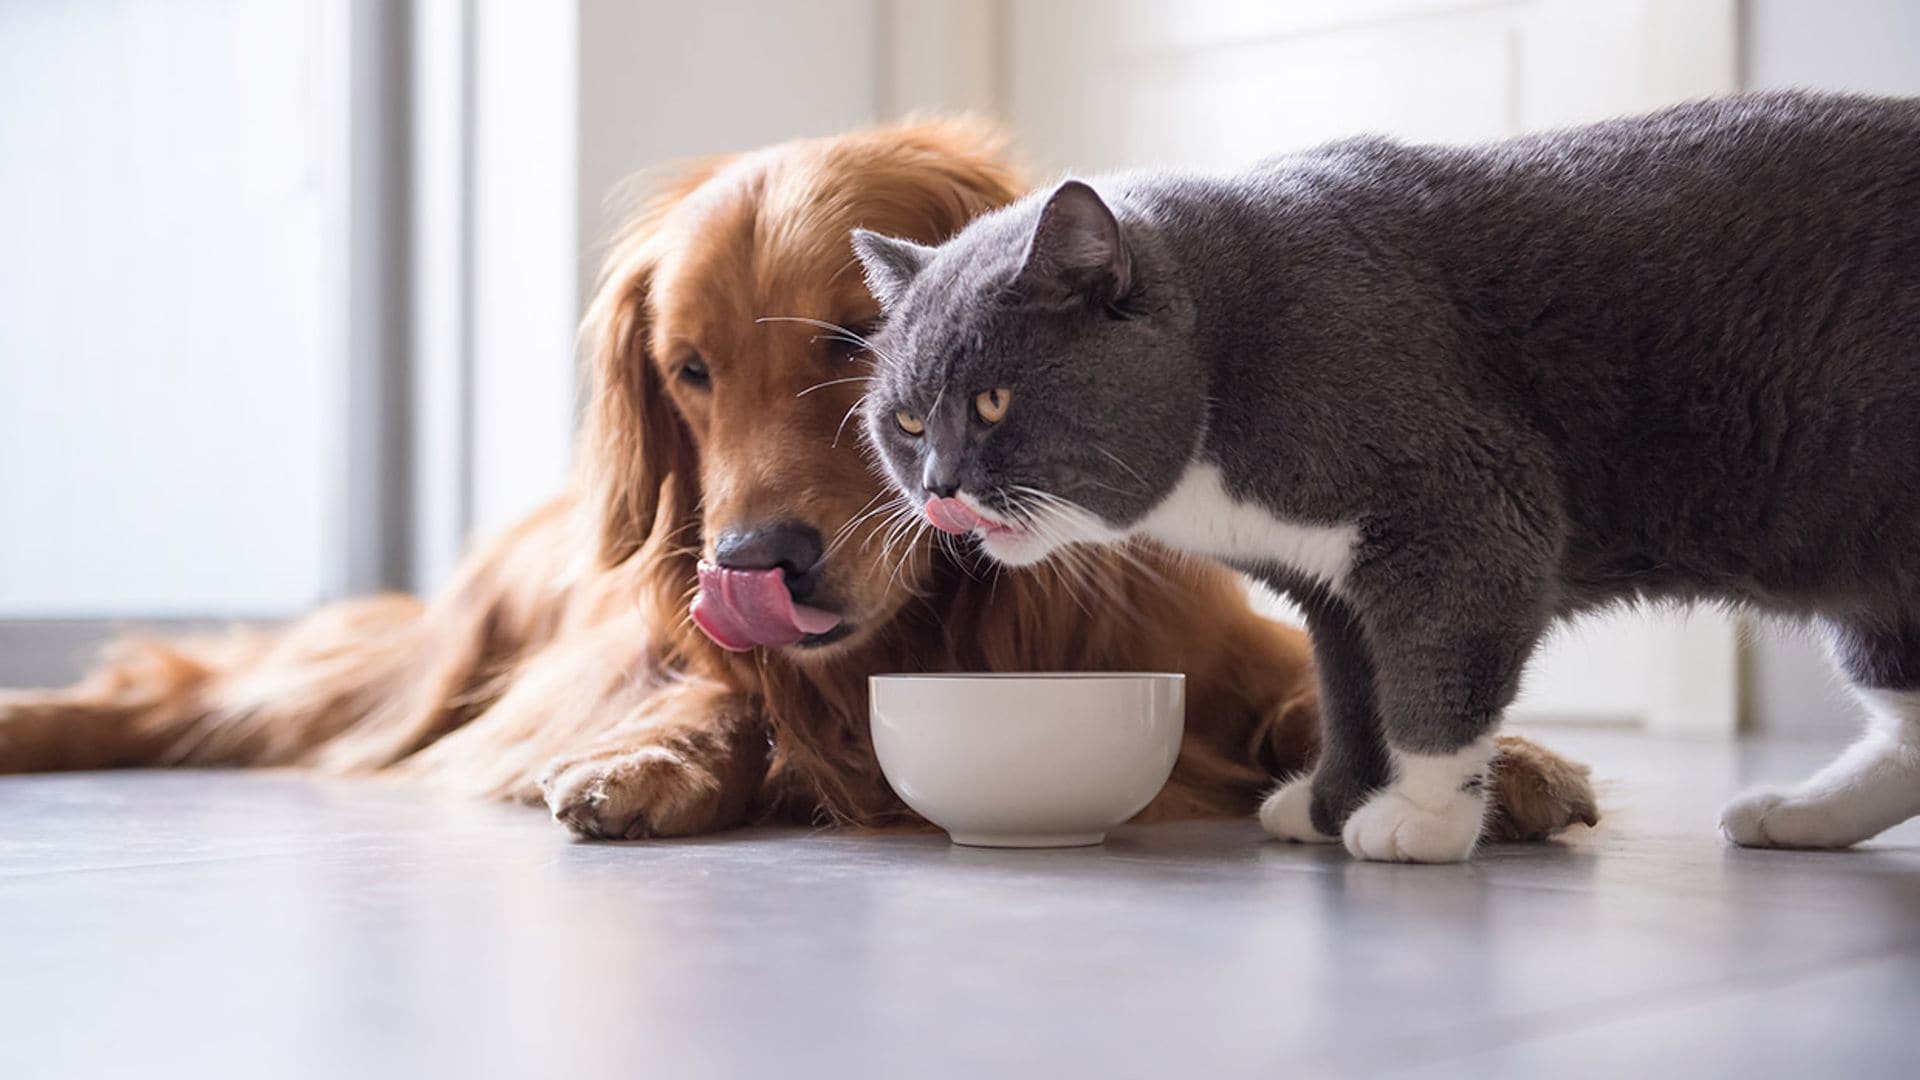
(940, 481)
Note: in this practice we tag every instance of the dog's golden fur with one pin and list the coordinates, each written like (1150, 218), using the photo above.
(561, 666)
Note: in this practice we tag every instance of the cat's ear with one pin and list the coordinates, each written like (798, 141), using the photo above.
(1077, 250)
(890, 264)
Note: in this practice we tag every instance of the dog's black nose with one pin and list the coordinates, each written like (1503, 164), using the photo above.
(788, 546)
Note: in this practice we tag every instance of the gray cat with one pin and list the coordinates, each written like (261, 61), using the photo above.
(1444, 396)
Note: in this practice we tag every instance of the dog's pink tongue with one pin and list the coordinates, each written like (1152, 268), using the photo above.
(950, 515)
(742, 609)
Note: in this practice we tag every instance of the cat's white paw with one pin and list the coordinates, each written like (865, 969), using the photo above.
(1872, 786)
(1288, 813)
(1389, 827)
(1771, 817)
(1432, 812)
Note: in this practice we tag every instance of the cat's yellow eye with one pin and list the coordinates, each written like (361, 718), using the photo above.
(909, 423)
(992, 404)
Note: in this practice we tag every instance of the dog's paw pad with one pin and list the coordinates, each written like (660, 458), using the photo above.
(1389, 827)
(1288, 813)
(632, 795)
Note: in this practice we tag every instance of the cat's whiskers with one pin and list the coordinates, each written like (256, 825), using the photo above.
(1088, 481)
(844, 333)
(841, 535)
(1118, 552)
(1063, 562)
(905, 515)
(1095, 584)
(891, 552)
(1060, 570)
(1111, 588)
(1070, 585)
(938, 396)
(964, 559)
(914, 547)
(833, 382)
(1115, 458)
(898, 524)
(908, 528)
(858, 403)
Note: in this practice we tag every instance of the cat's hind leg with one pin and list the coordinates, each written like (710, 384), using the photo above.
(1872, 786)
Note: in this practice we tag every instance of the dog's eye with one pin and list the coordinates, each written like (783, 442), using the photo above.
(992, 404)
(693, 371)
(909, 423)
(847, 345)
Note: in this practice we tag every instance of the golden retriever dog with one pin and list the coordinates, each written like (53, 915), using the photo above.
(717, 469)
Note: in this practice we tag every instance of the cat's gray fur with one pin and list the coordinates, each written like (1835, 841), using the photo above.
(1673, 356)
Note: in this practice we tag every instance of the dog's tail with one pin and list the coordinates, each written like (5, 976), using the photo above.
(353, 686)
(246, 697)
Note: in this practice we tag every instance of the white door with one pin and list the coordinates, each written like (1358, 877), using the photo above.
(1101, 84)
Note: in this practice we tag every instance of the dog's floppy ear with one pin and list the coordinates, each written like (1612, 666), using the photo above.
(635, 461)
(890, 264)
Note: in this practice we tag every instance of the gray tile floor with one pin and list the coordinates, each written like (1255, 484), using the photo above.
(276, 925)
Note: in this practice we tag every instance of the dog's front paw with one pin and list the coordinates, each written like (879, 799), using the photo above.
(1390, 827)
(632, 794)
(1288, 813)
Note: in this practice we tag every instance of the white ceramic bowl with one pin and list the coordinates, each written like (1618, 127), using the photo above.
(1043, 760)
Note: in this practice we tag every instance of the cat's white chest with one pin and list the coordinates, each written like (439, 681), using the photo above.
(1201, 518)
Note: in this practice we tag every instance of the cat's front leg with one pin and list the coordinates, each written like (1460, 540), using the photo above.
(1311, 808)
(1447, 664)
(1433, 811)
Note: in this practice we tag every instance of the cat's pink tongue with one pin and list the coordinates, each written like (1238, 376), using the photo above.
(950, 515)
(743, 609)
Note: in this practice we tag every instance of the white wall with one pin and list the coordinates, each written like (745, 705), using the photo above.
(167, 305)
(193, 420)
(1865, 46)
(523, 302)
(663, 82)
(570, 100)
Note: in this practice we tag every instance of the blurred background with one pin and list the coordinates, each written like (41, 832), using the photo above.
(288, 288)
